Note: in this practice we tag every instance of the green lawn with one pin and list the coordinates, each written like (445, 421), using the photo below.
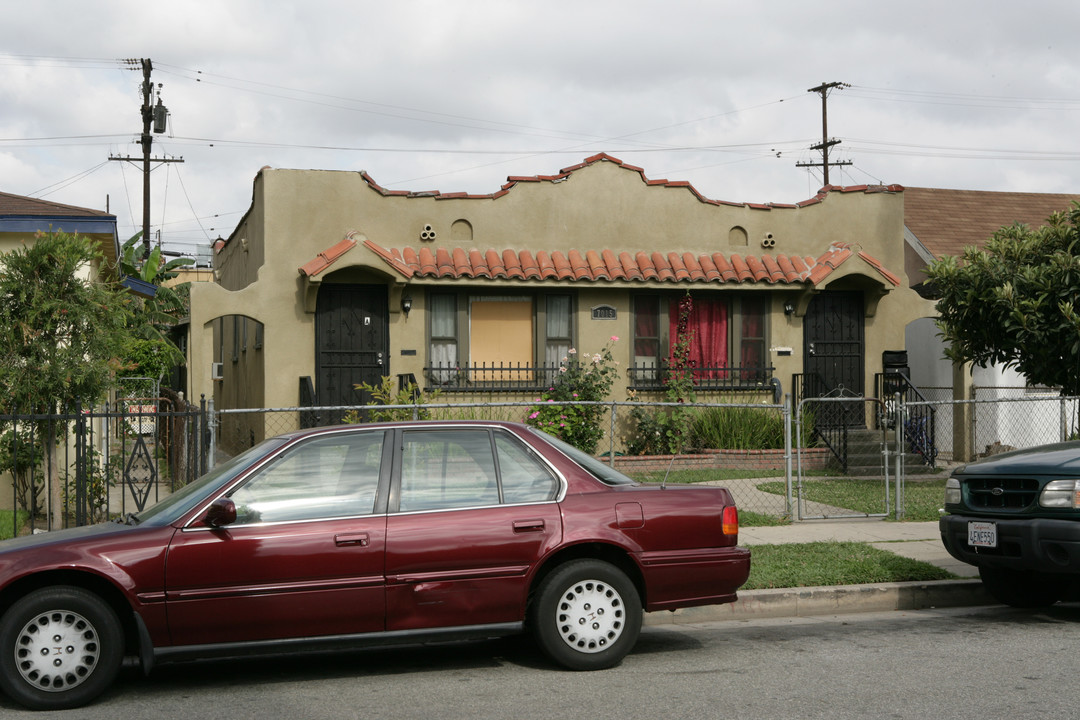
(833, 563)
(7, 523)
(922, 498)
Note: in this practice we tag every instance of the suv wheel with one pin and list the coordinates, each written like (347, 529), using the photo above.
(1022, 588)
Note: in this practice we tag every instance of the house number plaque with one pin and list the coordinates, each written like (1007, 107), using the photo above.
(604, 312)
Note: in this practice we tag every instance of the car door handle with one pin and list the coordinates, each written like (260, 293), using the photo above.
(360, 539)
(528, 526)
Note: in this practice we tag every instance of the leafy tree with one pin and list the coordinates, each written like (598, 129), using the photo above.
(149, 351)
(61, 334)
(1016, 302)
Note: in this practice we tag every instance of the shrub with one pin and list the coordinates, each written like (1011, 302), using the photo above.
(386, 394)
(101, 477)
(580, 379)
(665, 431)
(21, 454)
(737, 428)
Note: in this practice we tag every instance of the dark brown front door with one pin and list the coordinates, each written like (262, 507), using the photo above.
(833, 360)
(352, 345)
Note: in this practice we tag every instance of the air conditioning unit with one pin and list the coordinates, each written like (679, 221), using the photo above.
(217, 371)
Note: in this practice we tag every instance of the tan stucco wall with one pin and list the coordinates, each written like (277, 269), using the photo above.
(296, 214)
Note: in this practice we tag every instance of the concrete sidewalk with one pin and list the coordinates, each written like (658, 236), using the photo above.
(916, 540)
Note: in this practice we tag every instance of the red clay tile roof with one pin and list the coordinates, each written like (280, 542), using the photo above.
(947, 221)
(455, 263)
(327, 257)
(513, 180)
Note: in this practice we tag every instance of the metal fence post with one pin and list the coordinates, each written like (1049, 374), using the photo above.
(786, 412)
(611, 437)
(900, 412)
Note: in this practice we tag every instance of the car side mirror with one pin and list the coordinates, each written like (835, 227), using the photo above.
(222, 512)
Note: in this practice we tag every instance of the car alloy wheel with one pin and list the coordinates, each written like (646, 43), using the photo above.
(586, 615)
(57, 650)
(591, 616)
(60, 647)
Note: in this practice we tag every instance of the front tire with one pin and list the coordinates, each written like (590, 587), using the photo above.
(60, 647)
(587, 615)
(1022, 589)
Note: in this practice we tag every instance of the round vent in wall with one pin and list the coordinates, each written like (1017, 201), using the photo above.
(768, 241)
(428, 233)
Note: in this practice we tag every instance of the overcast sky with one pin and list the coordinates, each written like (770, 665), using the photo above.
(456, 96)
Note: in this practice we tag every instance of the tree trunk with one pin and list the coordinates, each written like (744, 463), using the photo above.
(56, 495)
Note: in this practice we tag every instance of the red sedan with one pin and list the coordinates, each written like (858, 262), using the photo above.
(366, 535)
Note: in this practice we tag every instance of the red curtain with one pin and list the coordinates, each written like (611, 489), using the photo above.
(708, 323)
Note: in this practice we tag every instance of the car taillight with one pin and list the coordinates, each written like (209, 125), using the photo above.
(730, 520)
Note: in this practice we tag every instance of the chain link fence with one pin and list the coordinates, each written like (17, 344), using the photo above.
(764, 454)
(119, 459)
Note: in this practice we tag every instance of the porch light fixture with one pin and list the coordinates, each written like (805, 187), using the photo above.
(406, 304)
(789, 308)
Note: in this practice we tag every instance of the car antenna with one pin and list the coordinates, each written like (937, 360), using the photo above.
(663, 483)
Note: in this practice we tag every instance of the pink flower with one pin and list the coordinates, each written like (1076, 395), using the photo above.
(614, 338)
(571, 351)
(534, 415)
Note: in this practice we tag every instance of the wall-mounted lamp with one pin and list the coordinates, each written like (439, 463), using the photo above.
(789, 308)
(406, 304)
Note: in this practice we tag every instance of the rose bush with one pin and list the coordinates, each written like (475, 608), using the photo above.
(581, 378)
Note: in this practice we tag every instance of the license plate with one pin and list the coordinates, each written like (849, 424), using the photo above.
(982, 534)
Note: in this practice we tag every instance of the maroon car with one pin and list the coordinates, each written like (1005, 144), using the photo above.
(366, 535)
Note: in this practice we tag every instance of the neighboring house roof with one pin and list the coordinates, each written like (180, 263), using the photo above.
(19, 214)
(947, 221)
(605, 264)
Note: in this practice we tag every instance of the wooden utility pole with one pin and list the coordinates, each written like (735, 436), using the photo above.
(826, 143)
(155, 117)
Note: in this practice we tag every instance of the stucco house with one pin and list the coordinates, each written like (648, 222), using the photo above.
(940, 222)
(330, 280)
(22, 218)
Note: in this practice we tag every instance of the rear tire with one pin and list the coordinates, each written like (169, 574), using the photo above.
(1022, 588)
(587, 615)
(60, 647)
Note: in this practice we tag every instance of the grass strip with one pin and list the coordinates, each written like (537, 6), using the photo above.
(833, 563)
(922, 498)
(748, 518)
(7, 522)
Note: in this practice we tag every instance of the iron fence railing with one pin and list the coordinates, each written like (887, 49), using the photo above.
(537, 378)
(920, 419)
(84, 466)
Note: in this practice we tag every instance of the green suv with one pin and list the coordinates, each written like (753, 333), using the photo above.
(1016, 516)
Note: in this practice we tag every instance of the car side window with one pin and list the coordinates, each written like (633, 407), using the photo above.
(447, 469)
(524, 477)
(326, 477)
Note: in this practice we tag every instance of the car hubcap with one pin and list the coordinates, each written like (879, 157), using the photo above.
(590, 616)
(57, 650)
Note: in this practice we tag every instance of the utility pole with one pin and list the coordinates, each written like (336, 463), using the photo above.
(826, 143)
(156, 117)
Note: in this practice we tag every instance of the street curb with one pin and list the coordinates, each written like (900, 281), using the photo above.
(831, 600)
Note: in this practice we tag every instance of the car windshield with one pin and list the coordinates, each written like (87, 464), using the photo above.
(601, 471)
(169, 508)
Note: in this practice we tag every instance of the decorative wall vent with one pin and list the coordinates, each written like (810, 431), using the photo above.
(428, 233)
